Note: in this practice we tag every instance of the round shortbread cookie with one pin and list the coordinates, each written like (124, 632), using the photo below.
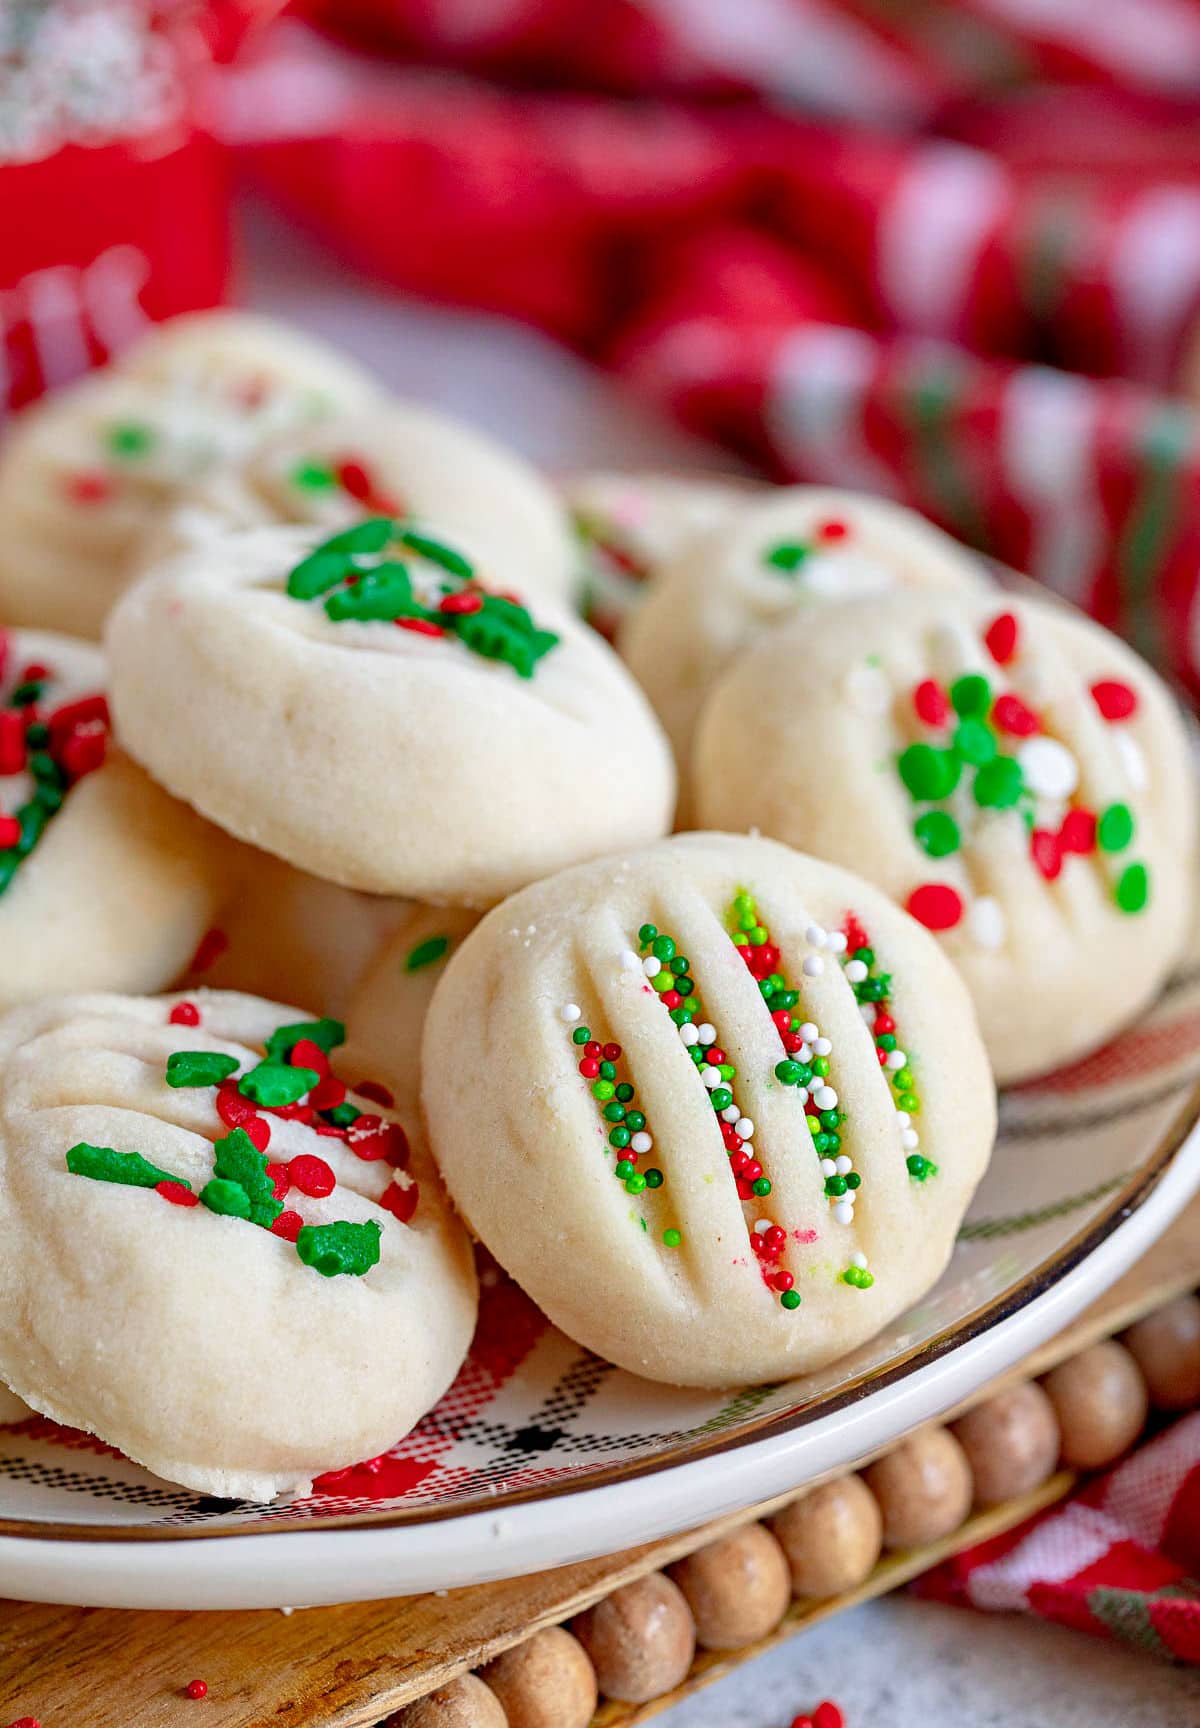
(105, 882)
(685, 1134)
(451, 760)
(630, 527)
(1009, 771)
(387, 1013)
(796, 546)
(88, 473)
(390, 459)
(168, 1231)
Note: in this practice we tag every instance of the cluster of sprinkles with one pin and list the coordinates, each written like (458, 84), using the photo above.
(872, 992)
(349, 475)
(292, 1082)
(45, 750)
(787, 557)
(613, 570)
(807, 1052)
(670, 975)
(616, 1098)
(386, 570)
(990, 751)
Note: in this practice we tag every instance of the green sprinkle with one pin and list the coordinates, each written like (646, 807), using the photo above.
(929, 773)
(332, 561)
(624, 1092)
(325, 1033)
(429, 952)
(26, 694)
(503, 630)
(200, 1068)
(790, 1300)
(603, 1090)
(634, 1119)
(342, 1115)
(787, 556)
(1133, 888)
(920, 1167)
(762, 1187)
(129, 439)
(312, 477)
(975, 742)
(619, 1138)
(437, 552)
(380, 596)
(721, 1097)
(1115, 828)
(333, 1249)
(581, 1034)
(971, 695)
(102, 1164)
(237, 1159)
(858, 1277)
(277, 1083)
(999, 784)
(623, 1168)
(635, 1184)
(663, 948)
(672, 1238)
(614, 1112)
(228, 1198)
(646, 934)
(654, 1178)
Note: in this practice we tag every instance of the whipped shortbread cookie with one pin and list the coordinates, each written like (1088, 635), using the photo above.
(88, 474)
(186, 1186)
(105, 881)
(371, 709)
(781, 553)
(387, 1012)
(727, 1105)
(1009, 772)
(393, 459)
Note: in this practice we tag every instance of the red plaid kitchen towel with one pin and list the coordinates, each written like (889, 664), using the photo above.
(1120, 1559)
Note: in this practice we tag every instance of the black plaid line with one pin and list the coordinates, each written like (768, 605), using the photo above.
(75, 1482)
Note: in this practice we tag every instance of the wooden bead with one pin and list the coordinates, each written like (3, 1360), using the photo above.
(738, 1588)
(464, 1703)
(547, 1682)
(1100, 1399)
(924, 1488)
(831, 1537)
(1166, 1347)
(641, 1639)
(1011, 1443)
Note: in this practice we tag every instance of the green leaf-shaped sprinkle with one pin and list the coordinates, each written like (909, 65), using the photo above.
(334, 1249)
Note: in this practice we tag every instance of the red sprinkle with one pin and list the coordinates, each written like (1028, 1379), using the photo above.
(466, 601)
(354, 479)
(931, 703)
(12, 741)
(827, 1715)
(936, 905)
(400, 1202)
(312, 1176)
(184, 1014)
(832, 531)
(371, 1138)
(87, 487)
(375, 1092)
(288, 1225)
(328, 1093)
(1045, 849)
(420, 626)
(10, 832)
(197, 1688)
(277, 1175)
(25, 1722)
(1116, 701)
(1015, 717)
(213, 944)
(306, 1054)
(238, 1112)
(85, 750)
(1001, 638)
(177, 1194)
(1078, 832)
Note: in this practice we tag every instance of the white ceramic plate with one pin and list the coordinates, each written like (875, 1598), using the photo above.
(541, 1455)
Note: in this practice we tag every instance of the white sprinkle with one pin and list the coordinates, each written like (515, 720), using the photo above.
(986, 922)
(856, 971)
(816, 935)
(903, 1117)
(895, 1059)
(708, 1034)
(1049, 768)
(859, 1259)
(731, 1113)
(867, 689)
(1132, 760)
(867, 1010)
(641, 1143)
(744, 1127)
(809, 1031)
(762, 1225)
(630, 961)
(843, 1212)
(813, 966)
(837, 942)
(802, 1094)
(804, 1054)
(651, 966)
(844, 1165)
(570, 1011)
(828, 1167)
(689, 1034)
(909, 1139)
(823, 1047)
(711, 1077)
(825, 1098)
